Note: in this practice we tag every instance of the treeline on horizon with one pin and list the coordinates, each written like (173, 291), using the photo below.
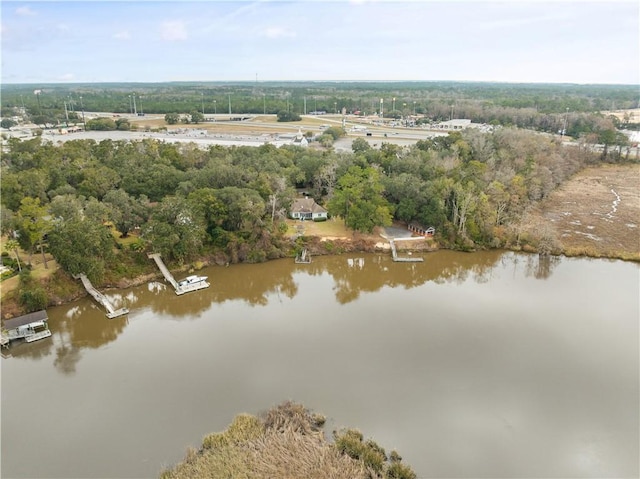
(544, 107)
(228, 204)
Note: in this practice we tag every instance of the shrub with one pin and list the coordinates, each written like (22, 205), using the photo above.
(399, 471)
(244, 427)
(290, 416)
(319, 220)
(33, 298)
(370, 453)
(284, 115)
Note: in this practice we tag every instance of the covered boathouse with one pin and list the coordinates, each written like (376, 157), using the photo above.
(30, 327)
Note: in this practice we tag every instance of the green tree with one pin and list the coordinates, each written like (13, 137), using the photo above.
(12, 246)
(209, 207)
(284, 116)
(101, 124)
(172, 118)
(358, 199)
(31, 295)
(360, 145)
(126, 213)
(81, 245)
(196, 117)
(7, 123)
(175, 230)
(123, 124)
(32, 224)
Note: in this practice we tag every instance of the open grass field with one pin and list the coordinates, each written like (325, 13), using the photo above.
(597, 212)
(330, 229)
(258, 125)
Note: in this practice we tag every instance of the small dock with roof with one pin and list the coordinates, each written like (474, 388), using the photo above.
(30, 327)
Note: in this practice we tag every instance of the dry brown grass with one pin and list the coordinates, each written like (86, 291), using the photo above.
(286, 443)
(597, 213)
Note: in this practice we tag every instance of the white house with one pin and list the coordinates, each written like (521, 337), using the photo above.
(300, 140)
(307, 209)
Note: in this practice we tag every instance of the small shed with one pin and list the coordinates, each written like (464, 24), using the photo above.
(420, 230)
(31, 327)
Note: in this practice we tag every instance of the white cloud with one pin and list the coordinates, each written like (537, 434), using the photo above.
(25, 11)
(122, 35)
(278, 32)
(173, 31)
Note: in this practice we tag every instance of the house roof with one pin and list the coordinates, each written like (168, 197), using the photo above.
(34, 317)
(306, 205)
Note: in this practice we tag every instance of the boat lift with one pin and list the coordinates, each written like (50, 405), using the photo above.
(181, 287)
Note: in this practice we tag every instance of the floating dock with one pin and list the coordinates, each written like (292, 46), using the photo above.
(181, 288)
(304, 257)
(403, 259)
(112, 312)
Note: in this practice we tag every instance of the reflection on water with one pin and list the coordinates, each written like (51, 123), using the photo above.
(471, 365)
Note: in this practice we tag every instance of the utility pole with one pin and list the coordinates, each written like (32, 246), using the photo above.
(84, 123)
(305, 105)
(66, 113)
(264, 104)
(564, 125)
(381, 108)
(202, 94)
(135, 108)
(229, 104)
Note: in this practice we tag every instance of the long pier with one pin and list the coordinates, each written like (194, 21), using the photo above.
(181, 288)
(403, 259)
(112, 312)
(165, 271)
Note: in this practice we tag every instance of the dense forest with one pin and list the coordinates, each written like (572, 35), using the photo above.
(99, 208)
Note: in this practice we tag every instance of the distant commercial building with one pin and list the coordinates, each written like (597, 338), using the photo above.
(458, 124)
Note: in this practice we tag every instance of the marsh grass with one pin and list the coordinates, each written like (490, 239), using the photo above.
(286, 442)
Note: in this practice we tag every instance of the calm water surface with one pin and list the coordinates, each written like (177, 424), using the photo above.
(471, 365)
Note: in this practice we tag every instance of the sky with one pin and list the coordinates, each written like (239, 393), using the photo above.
(425, 40)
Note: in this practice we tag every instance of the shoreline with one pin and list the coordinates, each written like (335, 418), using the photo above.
(317, 245)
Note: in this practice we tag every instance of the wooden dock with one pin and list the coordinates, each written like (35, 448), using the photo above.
(304, 257)
(35, 337)
(112, 312)
(180, 289)
(403, 259)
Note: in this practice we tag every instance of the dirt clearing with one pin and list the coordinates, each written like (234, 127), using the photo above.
(597, 212)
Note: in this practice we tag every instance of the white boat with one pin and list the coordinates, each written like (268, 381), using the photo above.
(192, 280)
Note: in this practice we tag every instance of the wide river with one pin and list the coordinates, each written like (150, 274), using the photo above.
(493, 365)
